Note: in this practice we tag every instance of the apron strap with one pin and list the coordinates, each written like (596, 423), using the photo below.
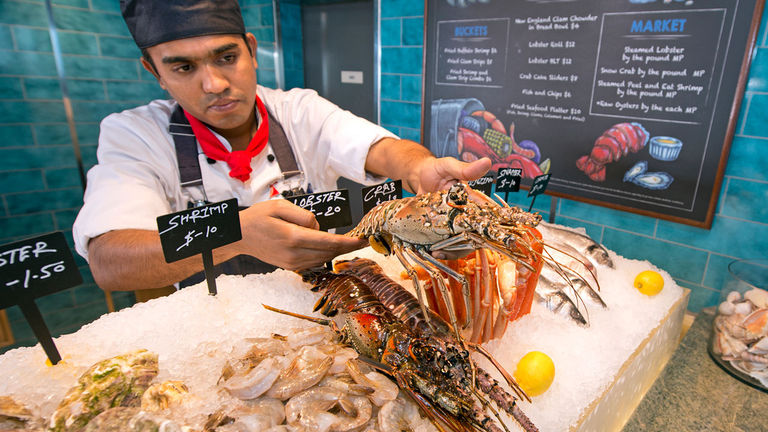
(186, 149)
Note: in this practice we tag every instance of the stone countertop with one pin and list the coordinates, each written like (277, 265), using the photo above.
(694, 394)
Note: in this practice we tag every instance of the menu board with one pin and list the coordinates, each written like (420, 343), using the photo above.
(627, 104)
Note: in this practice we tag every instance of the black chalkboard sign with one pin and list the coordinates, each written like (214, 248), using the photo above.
(484, 184)
(539, 185)
(509, 179)
(331, 208)
(633, 103)
(199, 229)
(377, 194)
(34, 268)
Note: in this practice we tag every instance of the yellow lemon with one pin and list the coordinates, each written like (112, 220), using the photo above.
(649, 282)
(535, 373)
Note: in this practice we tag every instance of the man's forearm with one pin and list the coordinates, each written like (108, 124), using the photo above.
(397, 159)
(126, 260)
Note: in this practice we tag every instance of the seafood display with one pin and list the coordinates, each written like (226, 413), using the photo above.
(424, 359)
(741, 333)
(308, 381)
(613, 144)
(377, 355)
(453, 220)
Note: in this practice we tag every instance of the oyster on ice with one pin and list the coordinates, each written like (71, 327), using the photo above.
(14, 416)
(117, 381)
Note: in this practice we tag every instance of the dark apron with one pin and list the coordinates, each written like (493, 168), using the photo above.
(190, 176)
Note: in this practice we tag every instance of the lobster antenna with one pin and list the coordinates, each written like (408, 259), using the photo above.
(320, 321)
(496, 195)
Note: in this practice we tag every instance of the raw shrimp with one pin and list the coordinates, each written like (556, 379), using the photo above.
(257, 381)
(306, 370)
(402, 415)
(314, 409)
(384, 390)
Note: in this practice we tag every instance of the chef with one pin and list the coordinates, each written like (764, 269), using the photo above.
(222, 136)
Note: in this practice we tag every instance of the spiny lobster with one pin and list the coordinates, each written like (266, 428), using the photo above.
(433, 369)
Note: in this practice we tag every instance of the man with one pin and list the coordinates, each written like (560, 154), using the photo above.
(199, 52)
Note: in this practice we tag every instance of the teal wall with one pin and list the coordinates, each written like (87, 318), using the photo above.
(40, 189)
(696, 258)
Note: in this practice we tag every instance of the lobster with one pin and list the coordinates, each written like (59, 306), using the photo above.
(405, 306)
(434, 373)
(458, 219)
(614, 143)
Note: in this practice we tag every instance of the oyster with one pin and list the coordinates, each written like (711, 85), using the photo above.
(118, 381)
(15, 416)
(130, 419)
(159, 397)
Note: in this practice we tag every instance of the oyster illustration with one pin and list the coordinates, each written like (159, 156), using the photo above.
(649, 180)
(654, 180)
(118, 381)
(636, 170)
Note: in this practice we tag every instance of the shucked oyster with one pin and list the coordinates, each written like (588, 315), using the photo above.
(118, 381)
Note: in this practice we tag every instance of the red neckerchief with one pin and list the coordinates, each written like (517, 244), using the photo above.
(239, 161)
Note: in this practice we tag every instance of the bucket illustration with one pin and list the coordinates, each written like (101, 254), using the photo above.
(446, 117)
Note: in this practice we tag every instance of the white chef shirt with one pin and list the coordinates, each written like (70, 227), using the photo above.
(137, 175)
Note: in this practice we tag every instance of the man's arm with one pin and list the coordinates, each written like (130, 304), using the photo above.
(275, 231)
(418, 168)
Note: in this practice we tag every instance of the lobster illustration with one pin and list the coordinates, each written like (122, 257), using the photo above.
(459, 219)
(481, 134)
(437, 374)
(614, 143)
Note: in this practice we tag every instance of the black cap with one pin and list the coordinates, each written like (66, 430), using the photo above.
(153, 22)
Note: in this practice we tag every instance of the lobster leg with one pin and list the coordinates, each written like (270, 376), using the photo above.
(399, 253)
(430, 264)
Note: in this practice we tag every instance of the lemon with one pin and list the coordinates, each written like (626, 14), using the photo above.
(535, 373)
(649, 282)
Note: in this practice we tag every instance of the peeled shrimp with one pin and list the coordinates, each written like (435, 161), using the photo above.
(402, 415)
(384, 389)
(306, 370)
(312, 410)
(257, 381)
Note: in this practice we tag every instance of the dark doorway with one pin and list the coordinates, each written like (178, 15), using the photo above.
(339, 64)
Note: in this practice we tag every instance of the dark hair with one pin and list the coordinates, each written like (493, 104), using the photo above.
(148, 58)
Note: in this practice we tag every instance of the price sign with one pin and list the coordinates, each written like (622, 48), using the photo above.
(483, 184)
(377, 194)
(33, 268)
(193, 231)
(539, 185)
(36, 267)
(508, 179)
(331, 209)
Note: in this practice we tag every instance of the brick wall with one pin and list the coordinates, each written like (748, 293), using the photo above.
(696, 258)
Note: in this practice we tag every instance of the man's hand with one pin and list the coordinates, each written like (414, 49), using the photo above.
(433, 174)
(285, 235)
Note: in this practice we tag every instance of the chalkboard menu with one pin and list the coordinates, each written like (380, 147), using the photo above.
(627, 104)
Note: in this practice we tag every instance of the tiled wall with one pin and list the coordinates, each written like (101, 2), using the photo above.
(696, 258)
(40, 188)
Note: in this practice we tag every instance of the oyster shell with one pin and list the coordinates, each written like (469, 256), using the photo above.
(15, 416)
(654, 180)
(118, 381)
